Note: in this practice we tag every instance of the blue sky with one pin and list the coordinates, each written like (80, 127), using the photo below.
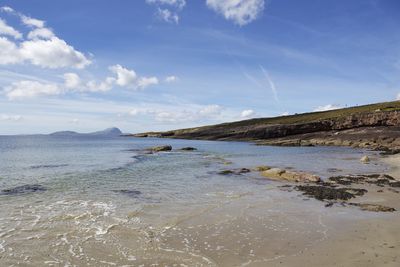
(163, 64)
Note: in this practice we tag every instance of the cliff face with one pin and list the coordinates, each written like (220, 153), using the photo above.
(257, 132)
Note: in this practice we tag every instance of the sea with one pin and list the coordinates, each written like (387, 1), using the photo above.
(96, 201)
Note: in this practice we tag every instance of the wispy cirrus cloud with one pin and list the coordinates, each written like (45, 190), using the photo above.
(271, 83)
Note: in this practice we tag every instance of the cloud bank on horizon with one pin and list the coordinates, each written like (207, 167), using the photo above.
(180, 64)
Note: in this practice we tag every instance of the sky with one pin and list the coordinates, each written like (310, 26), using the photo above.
(150, 65)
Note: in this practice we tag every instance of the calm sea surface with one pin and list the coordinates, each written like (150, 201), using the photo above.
(102, 202)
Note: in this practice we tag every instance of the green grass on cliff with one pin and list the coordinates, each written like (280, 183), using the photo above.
(315, 116)
(305, 117)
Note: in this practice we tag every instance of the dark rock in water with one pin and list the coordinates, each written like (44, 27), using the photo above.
(160, 148)
(131, 193)
(235, 171)
(23, 189)
(330, 193)
(189, 148)
(329, 204)
(390, 152)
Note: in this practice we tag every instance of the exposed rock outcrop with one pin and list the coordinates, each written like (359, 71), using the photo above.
(291, 176)
(160, 148)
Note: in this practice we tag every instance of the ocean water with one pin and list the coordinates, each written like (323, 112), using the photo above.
(102, 202)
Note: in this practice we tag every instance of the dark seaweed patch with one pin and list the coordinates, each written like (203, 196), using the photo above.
(23, 189)
(330, 193)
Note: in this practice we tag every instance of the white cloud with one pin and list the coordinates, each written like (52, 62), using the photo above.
(143, 82)
(7, 9)
(93, 86)
(72, 80)
(8, 30)
(192, 113)
(398, 96)
(28, 21)
(52, 53)
(44, 33)
(125, 77)
(29, 89)
(286, 113)
(6, 117)
(246, 114)
(241, 12)
(167, 15)
(327, 107)
(42, 48)
(211, 110)
(167, 10)
(171, 79)
(9, 53)
(129, 79)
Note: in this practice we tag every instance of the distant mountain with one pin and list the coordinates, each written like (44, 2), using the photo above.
(110, 132)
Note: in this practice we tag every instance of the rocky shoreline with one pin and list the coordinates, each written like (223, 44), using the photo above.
(343, 190)
(336, 190)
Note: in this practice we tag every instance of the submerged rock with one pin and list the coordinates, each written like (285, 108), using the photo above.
(189, 148)
(283, 175)
(234, 171)
(23, 189)
(160, 148)
(128, 192)
(373, 207)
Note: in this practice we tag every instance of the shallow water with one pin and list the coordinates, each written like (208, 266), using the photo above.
(108, 204)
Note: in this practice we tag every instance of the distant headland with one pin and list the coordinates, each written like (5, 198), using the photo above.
(109, 132)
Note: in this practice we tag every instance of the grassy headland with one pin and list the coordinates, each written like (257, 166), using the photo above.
(374, 126)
